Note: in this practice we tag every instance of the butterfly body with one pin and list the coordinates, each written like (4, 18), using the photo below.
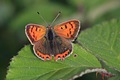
(52, 41)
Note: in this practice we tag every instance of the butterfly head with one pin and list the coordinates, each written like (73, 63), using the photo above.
(49, 27)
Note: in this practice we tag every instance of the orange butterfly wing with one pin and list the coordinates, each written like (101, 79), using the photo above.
(35, 32)
(68, 30)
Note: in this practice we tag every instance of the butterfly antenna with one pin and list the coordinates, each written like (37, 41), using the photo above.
(42, 18)
(55, 18)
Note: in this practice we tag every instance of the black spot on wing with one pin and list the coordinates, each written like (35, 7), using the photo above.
(71, 24)
(36, 29)
(67, 34)
(65, 26)
(70, 32)
(61, 27)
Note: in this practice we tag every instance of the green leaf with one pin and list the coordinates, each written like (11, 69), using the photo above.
(26, 66)
(104, 42)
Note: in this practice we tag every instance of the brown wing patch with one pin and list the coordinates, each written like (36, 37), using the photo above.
(35, 32)
(62, 48)
(41, 49)
(68, 30)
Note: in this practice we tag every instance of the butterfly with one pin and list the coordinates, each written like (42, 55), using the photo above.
(53, 41)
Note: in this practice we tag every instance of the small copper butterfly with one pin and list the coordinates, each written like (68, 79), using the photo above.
(53, 41)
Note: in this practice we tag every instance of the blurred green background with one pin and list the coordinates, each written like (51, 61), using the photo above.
(15, 14)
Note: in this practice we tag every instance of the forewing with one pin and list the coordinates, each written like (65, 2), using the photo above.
(35, 32)
(68, 30)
